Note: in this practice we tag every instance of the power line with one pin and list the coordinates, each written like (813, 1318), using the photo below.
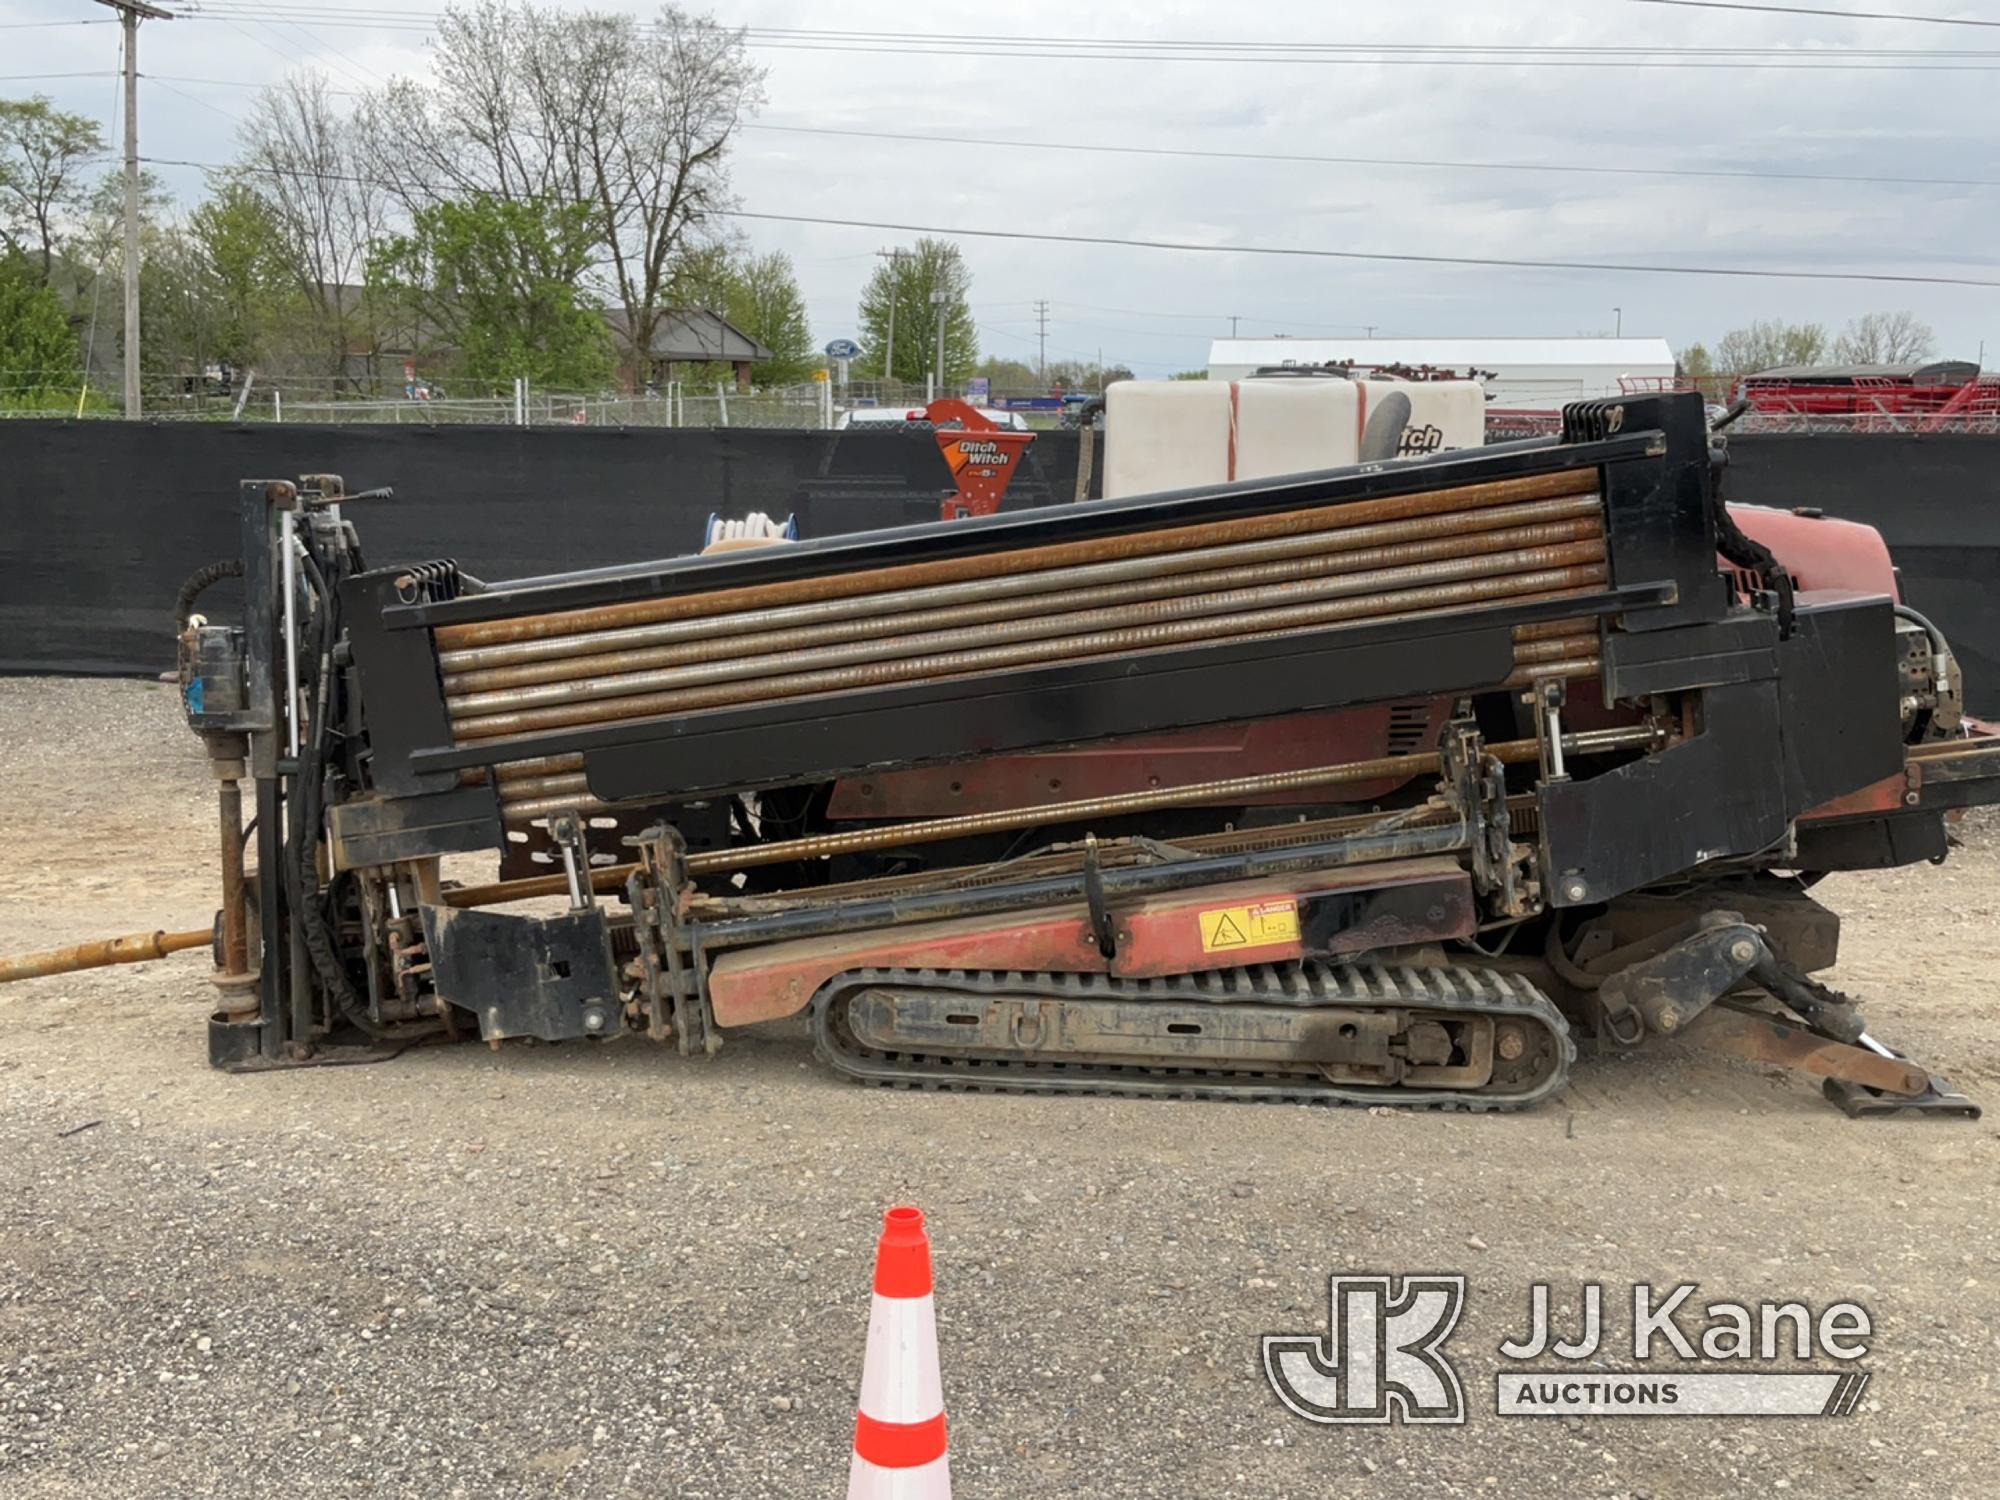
(1287, 157)
(1128, 49)
(1372, 161)
(1315, 253)
(1810, 10)
(1288, 251)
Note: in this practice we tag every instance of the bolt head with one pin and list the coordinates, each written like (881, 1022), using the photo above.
(1510, 1045)
(1575, 890)
(1743, 950)
(1668, 1019)
(593, 1020)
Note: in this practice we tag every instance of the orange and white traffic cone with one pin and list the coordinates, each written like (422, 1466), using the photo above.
(899, 1438)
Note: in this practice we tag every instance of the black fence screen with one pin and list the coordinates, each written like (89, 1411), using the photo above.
(100, 521)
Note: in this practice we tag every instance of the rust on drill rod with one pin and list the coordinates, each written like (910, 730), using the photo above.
(1192, 570)
(1518, 588)
(132, 948)
(1021, 560)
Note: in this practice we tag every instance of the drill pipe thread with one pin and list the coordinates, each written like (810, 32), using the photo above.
(1257, 587)
(1149, 543)
(705, 639)
(1519, 587)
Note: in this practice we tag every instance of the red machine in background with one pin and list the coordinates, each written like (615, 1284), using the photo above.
(1942, 395)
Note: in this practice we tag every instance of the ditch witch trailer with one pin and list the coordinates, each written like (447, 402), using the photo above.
(1380, 785)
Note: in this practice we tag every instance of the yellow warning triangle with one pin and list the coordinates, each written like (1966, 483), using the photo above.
(1227, 934)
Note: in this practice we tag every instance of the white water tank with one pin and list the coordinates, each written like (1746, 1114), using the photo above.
(1173, 434)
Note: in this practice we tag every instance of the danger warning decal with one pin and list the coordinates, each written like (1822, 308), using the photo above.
(1255, 926)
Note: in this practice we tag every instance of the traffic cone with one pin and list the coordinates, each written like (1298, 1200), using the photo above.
(899, 1438)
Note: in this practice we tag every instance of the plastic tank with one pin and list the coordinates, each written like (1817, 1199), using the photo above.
(1171, 434)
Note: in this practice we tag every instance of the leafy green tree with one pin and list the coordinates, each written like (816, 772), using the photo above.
(238, 246)
(43, 154)
(763, 299)
(39, 363)
(910, 281)
(472, 277)
(1086, 375)
(1189, 375)
(1695, 363)
(1009, 374)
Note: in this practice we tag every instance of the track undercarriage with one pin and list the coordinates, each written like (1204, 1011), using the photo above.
(1426, 1036)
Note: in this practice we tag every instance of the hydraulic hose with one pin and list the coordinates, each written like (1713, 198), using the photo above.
(198, 583)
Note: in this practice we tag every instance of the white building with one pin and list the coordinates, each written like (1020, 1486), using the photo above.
(1539, 374)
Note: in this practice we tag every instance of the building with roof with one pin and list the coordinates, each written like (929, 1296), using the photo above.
(684, 336)
(1537, 374)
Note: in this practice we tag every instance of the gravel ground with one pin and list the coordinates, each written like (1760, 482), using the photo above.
(608, 1270)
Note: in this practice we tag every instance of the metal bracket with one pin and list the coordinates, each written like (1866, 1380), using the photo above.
(566, 828)
(676, 999)
(1101, 925)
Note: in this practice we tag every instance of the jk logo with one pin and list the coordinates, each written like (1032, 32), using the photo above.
(1379, 1360)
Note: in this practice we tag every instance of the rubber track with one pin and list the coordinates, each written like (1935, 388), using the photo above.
(1453, 987)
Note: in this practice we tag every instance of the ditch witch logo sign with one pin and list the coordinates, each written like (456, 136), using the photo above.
(1381, 1358)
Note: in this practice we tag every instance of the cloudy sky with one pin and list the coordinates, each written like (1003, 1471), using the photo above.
(1854, 99)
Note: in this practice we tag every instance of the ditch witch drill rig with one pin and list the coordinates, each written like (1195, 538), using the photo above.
(1373, 785)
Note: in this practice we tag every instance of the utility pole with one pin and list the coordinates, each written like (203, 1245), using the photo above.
(1232, 325)
(1618, 322)
(1042, 341)
(940, 298)
(895, 259)
(130, 13)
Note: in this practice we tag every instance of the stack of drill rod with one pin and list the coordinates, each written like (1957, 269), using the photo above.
(1506, 541)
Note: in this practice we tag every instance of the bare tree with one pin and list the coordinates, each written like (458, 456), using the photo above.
(43, 151)
(1766, 345)
(534, 103)
(1885, 338)
(304, 160)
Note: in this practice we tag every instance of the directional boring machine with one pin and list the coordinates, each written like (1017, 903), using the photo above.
(1381, 784)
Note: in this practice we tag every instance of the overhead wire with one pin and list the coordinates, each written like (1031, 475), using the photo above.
(1818, 11)
(1312, 252)
(1319, 159)
(983, 46)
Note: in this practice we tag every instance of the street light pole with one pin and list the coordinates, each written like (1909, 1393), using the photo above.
(130, 13)
(1618, 325)
(939, 297)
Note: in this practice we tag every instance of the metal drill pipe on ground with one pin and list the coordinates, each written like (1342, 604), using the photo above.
(1298, 580)
(1446, 535)
(1518, 588)
(132, 948)
(1147, 543)
(573, 789)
